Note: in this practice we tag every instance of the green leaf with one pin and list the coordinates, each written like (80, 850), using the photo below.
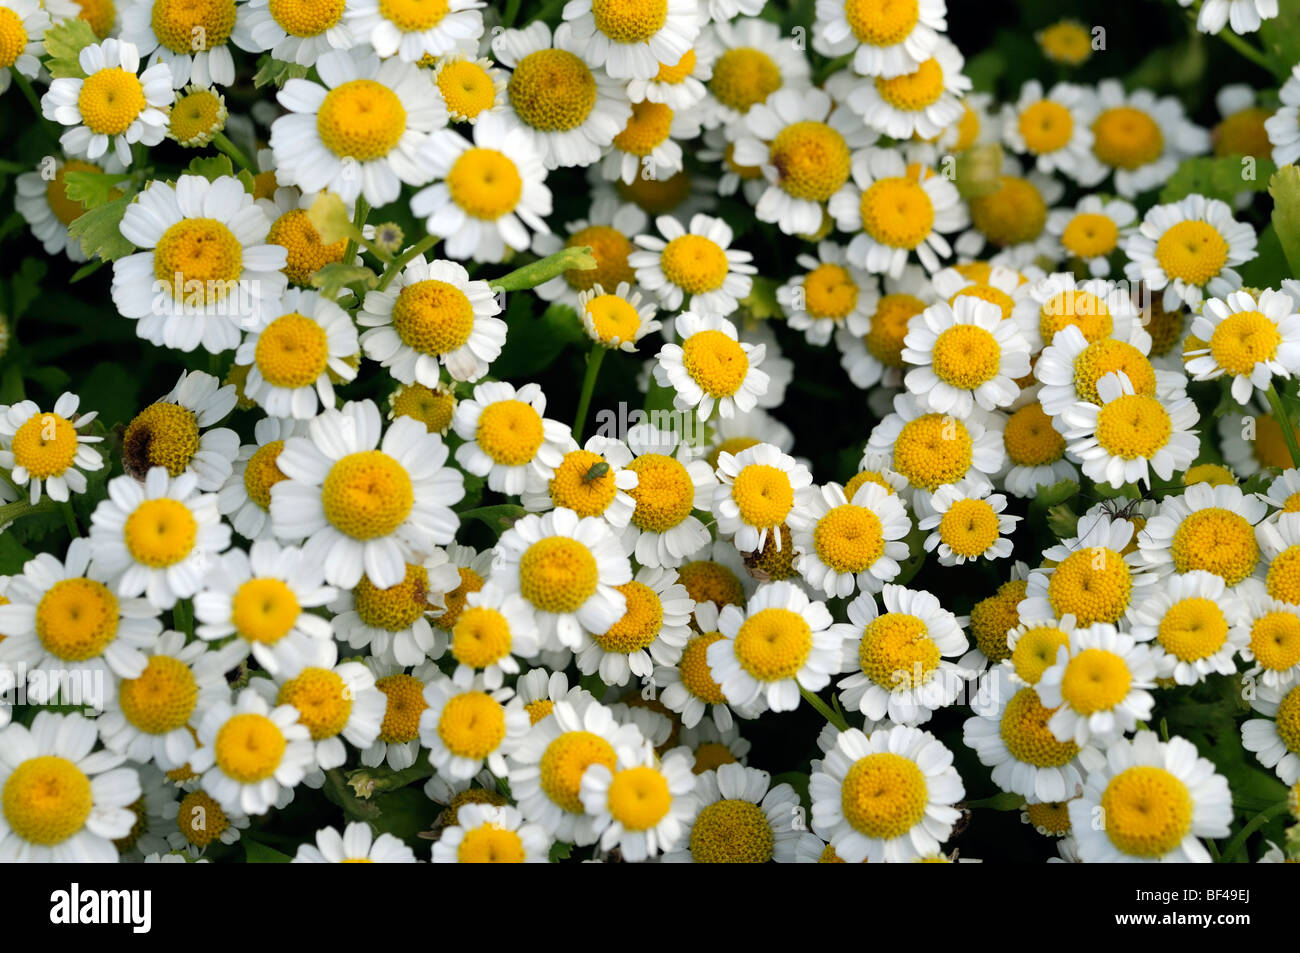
(1062, 521)
(1285, 189)
(93, 189)
(533, 342)
(1280, 38)
(1056, 493)
(13, 555)
(270, 70)
(255, 853)
(498, 518)
(210, 167)
(999, 802)
(560, 851)
(334, 276)
(64, 43)
(99, 231)
(1269, 267)
(25, 286)
(1218, 178)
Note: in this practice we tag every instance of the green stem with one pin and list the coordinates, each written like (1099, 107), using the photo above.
(358, 222)
(223, 143)
(824, 709)
(183, 618)
(1255, 823)
(594, 359)
(397, 264)
(70, 520)
(578, 258)
(1283, 421)
(1248, 50)
(20, 508)
(512, 11)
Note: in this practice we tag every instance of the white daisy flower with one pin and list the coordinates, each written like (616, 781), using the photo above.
(876, 355)
(711, 367)
(652, 631)
(902, 656)
(1010, 222)
(632, 40)
(756, 492)
(1275, 738)
(487, 834)
(355, 845)
(755, 60)
(296, 33)
(740, 817)
(467, 726)
(832, 296)
(398, 742)
(649, 145)
(246, 497)
(176, 432)
(642, 805)
(608, 230)
(672, 482)
(1071, 365)
(112, 108)
(262, 597)
(412, 30)
(157, 538)
(1092, 231)
(1244, 16)
(39, 446)
(843, 544)
(1253, 340)
(887, 796)
(251, 755)
(1194, 624)
(295, 356)
(364, 504)
(568, 569)
(780, 644)
(1284, 125)
(492, 632)
(62, 803)
(922, 101)
(593, 480)
(507, 440)
(893, 216)
(885, 39)
(192, 41)
(616, 319)
(24, 23)
(679, 84)
(1283, 493)
(208, 242)
(1055, 128)
(1159, 797)
(1208, 527)
(541, 690)
(1033, 644)
(470, 87)
(362, 133)
(432, 316)
(698, 264)
(149, 717)
(689, 687)
(1097, 687)
(199, 821)
(568, 111)
(1035, 452)
(58, 614)
(968, 523)
(1141, 137)
(1269, 637)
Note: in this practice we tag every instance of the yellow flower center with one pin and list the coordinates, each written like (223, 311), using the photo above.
(537, 710)
(304, 18)
(744, 77)
(65, 209)
(707, 581)
(292, 352)
(1243, 340)
(1095, 680)
(1092, 584)
(161, 435)
(196, 116)
(1275, 640)
(1066, 42)
(715, 361)
(322, 699)
(696, 675)
(1148, 811)
(614, 319)
(294, 232)
(884, 795)
(485, 183)
(557, 574)
(1133, 426)
(46, 800)
(629, 21)
(1035, 651)
(361, 119)
(564, 761)
(1013, 214)
(829, 292)
(710, 756)
(264, 610)
(490, 844)
(811, 160)
(367, 494)
(1287, 720)
(969, 527)
(849, 538)
(200, 819)
(1212, 473)
(882, 22)
(466, 88)
(1046, 127)
(695, 264)
(733, 446)
(433, 317)
(77, 619)
(732, 832)
(190, 26)
(100, 14)
(397, 607)
(470, 581)
(1218, 541)
(897, 212)
(1193, 251)
(160, 533)
(584, 483)
(480, 637)
(110, 101)
(1127, 138)
(913, 92)
(1030, 439)
(406, 703)
(46, 445)
(473, 725)
(993, 617)
(1193, 628)
(884, 341)
(1283, 580)
(199, 260)
(677, 72)
(1105, 356)
(646, 128)
(897, 652)
(640, 624)
(261, 473)
(610, 248)
(413, 16)
(1024, 731)
(933, 450)
(1243, 134)
(966, 356)
(1090, 235)
(162, 698)
(1050, 816)
(763, 494)
(433, 408)
(249, 747)
(510, 432)
(552, 90)
(656, 195)
(773, 644)
(639, 798)
(1081, 309)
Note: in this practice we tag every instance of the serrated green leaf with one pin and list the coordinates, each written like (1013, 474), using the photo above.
(277, 72)
(64, 43)
(336, 275)
(1284, 187)
(93, 189)
(1220, 178)
(1056, 493)
(99, 231)
(1062, 521)
(560, 851)
(210, 167)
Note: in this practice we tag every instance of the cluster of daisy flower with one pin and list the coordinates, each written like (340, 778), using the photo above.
(361, 561)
